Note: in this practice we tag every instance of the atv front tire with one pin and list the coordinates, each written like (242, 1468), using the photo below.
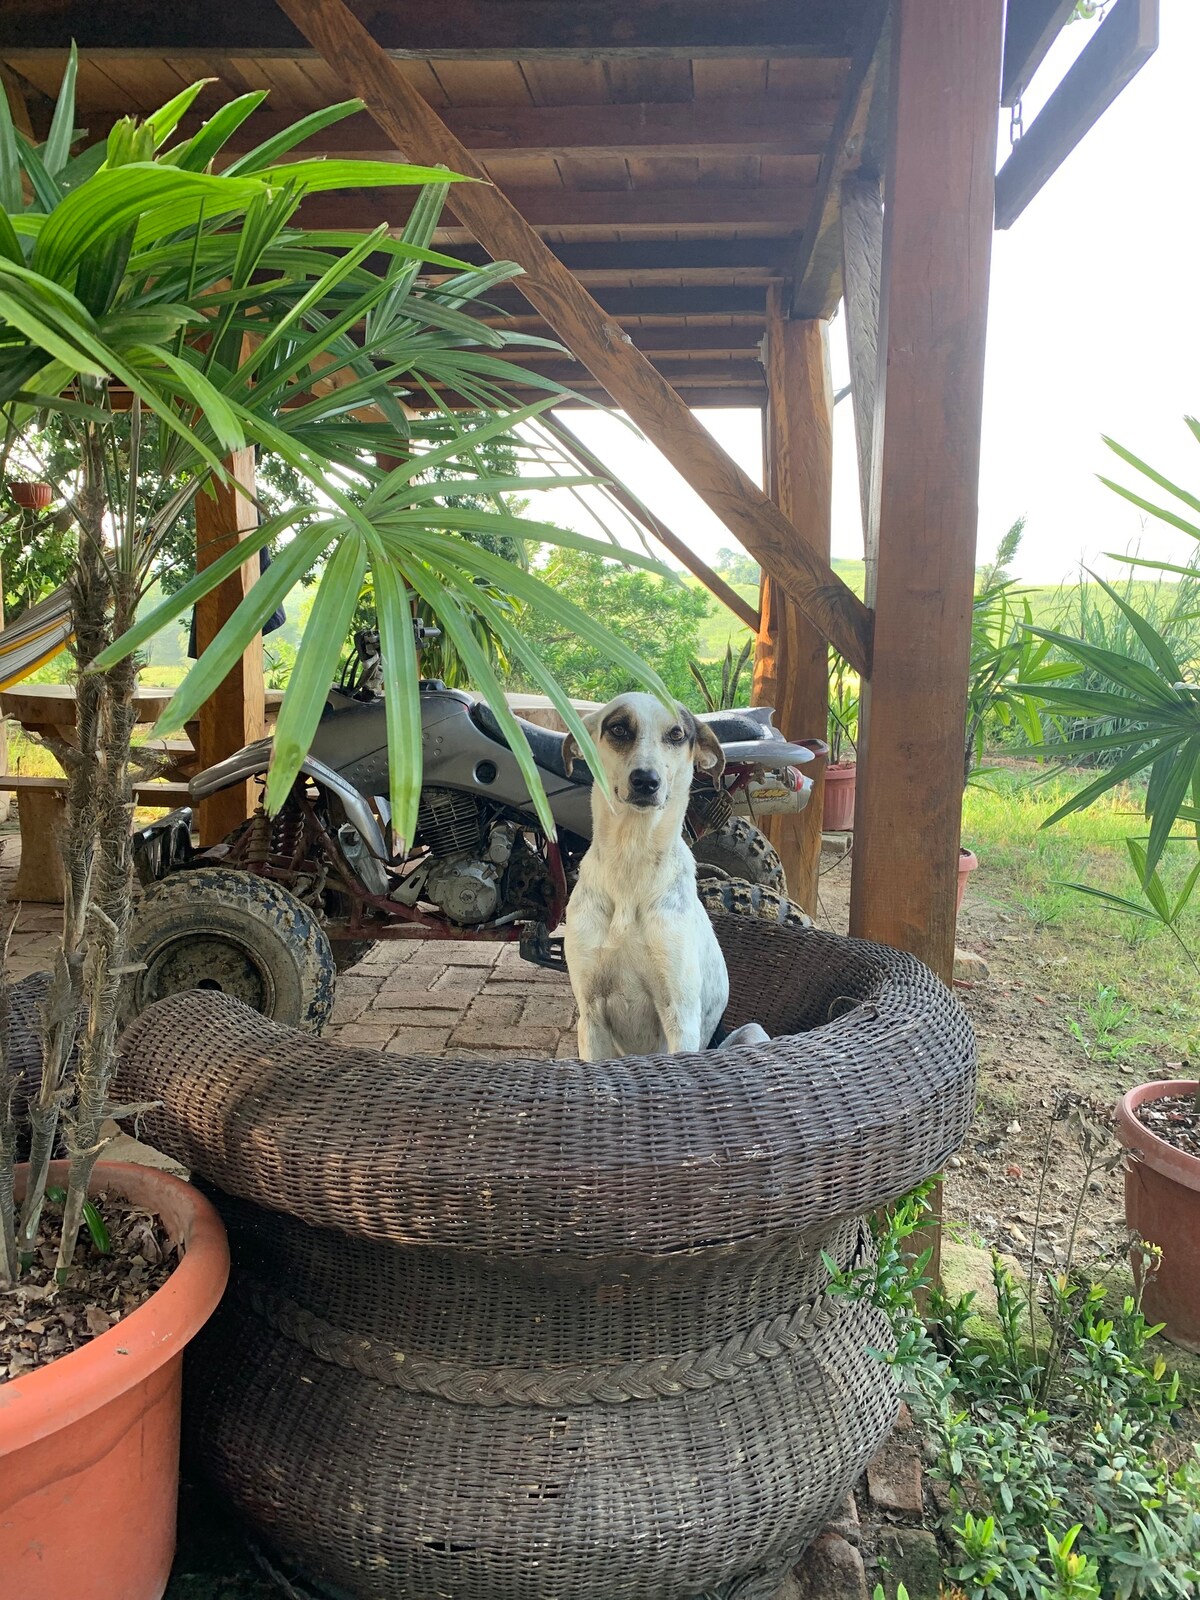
(735, 897)
(217, 928)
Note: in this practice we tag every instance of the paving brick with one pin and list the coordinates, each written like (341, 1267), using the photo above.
(456, 953)
(549, 1010)
(362, 1033)
(568, 1046)
(410, 1040)
(447, 1002)
(503, 1011)
(466, 982)
(894, 1476)
(359, 982)
(511, 968)
(830, 1570)
(515, 1041)
(348, 1007)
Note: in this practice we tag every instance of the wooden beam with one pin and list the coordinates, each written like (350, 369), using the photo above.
(696, 396)
(737, 374)
(937, 247)
(675, 257)
(862, 261)
(591, 463)
(1030, 28)
(739, 126)
(856, 146)
(1115, 54)
(465, 29)
(629, 378)
(800, 478)
(783, 205)
(739, 339)
(717, 300)
(234, 715)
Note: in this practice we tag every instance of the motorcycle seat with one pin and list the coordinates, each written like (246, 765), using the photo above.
(545, 744)
(731, 727)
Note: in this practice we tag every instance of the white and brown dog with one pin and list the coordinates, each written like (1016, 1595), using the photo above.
(645, 965)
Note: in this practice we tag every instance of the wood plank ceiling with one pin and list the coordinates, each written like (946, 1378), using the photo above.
(668, 150)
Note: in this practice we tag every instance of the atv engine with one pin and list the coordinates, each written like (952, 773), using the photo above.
(476, 867)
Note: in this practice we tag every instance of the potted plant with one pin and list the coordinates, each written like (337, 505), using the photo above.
(1138, 708)
(841, 769)
(31, 496)
(160, 317)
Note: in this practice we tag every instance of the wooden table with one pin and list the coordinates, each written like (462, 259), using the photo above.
(48, 711)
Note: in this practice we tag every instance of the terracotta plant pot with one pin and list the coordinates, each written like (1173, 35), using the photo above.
(33, 496)
(837, 814)
(1162, 1204)
(967, 862)
(89, 1446)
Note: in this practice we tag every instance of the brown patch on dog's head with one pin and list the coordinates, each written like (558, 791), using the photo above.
(707, 753)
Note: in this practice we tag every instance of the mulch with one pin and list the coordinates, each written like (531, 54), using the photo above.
(40, 1321)
(1176, 1119)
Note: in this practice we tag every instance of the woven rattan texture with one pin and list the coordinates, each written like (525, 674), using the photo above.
(384, 1494)
(868, 1090)
(538, 1330)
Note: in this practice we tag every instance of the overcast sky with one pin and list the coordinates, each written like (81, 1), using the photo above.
(1094, 328)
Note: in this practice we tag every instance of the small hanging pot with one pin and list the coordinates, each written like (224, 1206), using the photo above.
(32, 496)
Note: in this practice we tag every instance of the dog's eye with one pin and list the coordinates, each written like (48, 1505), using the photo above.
(620, 731)
(676, 736)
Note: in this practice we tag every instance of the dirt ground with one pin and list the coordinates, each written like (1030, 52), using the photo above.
(1031, 1073)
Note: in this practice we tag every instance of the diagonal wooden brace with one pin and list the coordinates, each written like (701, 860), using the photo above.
(600, 343)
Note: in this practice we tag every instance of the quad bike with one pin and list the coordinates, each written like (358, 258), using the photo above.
(272, 913)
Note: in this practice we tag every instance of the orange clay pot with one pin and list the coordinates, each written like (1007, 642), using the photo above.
(837, 806)
(1162, 1204)
(967, 862)
(89, 1446)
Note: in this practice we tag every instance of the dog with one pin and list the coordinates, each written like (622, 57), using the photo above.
(644, 962)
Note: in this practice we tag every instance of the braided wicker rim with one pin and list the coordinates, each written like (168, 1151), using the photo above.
(658, 1378)
(865, 1090)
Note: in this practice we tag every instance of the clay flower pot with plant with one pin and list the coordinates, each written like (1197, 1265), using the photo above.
(158, 318)
(841, 769)
(1139, 708)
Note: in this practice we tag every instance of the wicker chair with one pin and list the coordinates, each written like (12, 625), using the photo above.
(554, 1329)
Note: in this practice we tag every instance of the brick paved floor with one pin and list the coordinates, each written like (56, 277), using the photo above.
(435, 997)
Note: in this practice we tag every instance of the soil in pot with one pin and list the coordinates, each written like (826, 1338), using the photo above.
(40, 1321)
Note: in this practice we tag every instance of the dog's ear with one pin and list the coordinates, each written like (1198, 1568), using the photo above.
(570, 749)
(708, 755)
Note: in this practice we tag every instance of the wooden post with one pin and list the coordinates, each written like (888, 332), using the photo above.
(937, 246)
(234, 715)
(800, 479)
(599, 342)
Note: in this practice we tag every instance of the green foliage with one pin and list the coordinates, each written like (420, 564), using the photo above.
(1004, 653)
(735, 566)
(1053, 1437)
(844, 692)
(725, 692)
(657, 619)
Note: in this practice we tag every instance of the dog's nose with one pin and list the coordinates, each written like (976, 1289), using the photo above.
(642, 781)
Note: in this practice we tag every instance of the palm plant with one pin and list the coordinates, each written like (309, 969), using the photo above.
(137, 284)
(1148, 712)
(725, 694)
(844, 693)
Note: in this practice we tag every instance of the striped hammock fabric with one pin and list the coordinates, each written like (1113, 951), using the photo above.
(36, 636)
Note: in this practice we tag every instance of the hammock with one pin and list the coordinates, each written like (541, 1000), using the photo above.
(38, 634)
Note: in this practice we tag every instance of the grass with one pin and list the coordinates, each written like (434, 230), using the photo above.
(1136, 996)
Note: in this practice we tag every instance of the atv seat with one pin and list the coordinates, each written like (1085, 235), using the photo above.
(546, 745)
(733, 727)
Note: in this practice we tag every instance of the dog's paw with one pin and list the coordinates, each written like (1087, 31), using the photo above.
(748, 1033)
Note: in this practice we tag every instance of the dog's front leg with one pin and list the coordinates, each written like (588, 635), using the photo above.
(596, 1042)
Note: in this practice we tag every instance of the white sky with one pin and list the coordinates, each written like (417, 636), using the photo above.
(1094, 328)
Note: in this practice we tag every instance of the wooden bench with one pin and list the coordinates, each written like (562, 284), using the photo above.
(41, 809)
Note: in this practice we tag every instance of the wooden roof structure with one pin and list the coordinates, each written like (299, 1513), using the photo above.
(694, 187)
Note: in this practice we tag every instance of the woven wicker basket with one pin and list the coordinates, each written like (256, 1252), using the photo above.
(552, 1329)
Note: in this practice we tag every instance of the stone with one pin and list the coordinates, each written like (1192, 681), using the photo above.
(836, 844)
(844, 1522)
(909, 1556)
(894, 1478)
(831, 1569)
(969, 967)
